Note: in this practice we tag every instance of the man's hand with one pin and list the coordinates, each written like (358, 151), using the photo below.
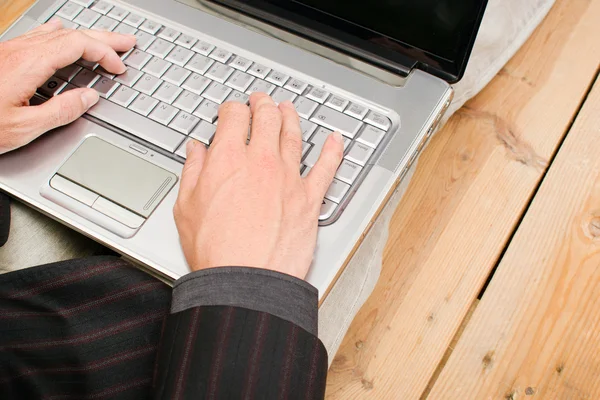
(247, 205)
(27, 62)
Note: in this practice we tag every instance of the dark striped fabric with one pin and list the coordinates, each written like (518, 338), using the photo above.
(4, 218)
(91, 329)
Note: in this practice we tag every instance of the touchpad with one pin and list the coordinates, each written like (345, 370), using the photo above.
(114, 174)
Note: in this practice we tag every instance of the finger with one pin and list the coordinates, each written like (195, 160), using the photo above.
(266, 122)
(101, 47)
(195, 156)
(232, 130)
(321, 175)
(291, 134)
(58, 111)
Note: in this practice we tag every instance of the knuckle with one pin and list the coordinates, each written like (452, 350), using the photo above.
(268, 161)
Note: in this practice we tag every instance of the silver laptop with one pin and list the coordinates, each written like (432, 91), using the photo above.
(377, 71)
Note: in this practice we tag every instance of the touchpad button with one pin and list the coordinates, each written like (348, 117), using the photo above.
(119, 176)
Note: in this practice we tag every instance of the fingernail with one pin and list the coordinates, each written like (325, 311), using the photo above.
(190, 146)
(89, 98)
(337, 137)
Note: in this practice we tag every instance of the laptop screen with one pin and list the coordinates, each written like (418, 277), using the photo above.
(434, 35)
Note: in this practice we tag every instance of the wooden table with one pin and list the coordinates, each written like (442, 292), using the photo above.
(507, 193)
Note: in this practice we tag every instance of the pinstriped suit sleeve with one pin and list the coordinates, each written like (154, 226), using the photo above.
(4, 218)
(223, 342)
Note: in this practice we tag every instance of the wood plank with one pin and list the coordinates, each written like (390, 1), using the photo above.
(536, 332)
(10, 10)
(470, 190)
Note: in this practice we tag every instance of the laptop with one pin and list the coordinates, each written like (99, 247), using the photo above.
(377, 71)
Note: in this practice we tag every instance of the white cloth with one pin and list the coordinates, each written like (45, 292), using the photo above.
(507, 24)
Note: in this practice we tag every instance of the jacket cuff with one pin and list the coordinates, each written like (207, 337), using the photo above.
(278, 294)
(4, 218)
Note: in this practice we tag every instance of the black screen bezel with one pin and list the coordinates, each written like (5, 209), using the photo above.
(333, 32)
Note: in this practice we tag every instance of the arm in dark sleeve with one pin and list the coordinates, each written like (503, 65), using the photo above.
(4, 218)
(241, 333)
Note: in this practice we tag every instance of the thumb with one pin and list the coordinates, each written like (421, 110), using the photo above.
(195, 155)
(59, 110)
(321, 175)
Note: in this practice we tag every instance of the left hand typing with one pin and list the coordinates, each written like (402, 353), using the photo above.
(28, 61)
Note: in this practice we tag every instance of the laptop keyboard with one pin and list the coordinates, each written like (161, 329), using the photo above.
(175, 84)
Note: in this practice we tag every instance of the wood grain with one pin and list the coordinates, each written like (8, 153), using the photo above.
(469, 192)
(10, 10)
(536, 332)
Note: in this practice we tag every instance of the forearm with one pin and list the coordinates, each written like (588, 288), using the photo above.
(241, 331)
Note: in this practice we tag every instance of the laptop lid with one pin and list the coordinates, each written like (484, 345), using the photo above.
(433, 35)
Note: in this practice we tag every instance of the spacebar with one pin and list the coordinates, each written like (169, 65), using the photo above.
(137, 125)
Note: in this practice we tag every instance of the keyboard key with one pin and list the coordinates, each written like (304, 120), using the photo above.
(186, 41)
(150, 27)
(208, 111)
(137, 125)
(240, 63)
(356, 110)
(87, 64)
(196, 83)
(359, 153)
(336, 121)
(305, 170)
(176, 75)
(259, 70)
(307, 128)
(125, 29)
(305, 148)
(157, 67)
(137, 59)
(319, 137)
(52, 87)
(337, 103)
(296, 85)
(219, 72)
(160, 48)
(85, 78)
(134, 20)
(378, 120)
(184, 123)
(163, 113)
(188, 101)
(180, 56)
(216, 92)
(102, 7)
(118, 13)
(261, 86)
(105, 87)
(348, 172)
(169, 34)
(239, 97)
(67, 73)
(84, 3)
(204, 132)
(327, 209)
(240, 81)
(66, 23)
(143, 104)
(305, 107)
(105, 24)
(317, 94)
(200, 64)
(167, 92)
(69, 11)
(370, 136)
(203, 48)
(278, 78)
(182, 150)
(280, 95)
(337, 190)
(87, 18)
(144, 40)
(123, 96)
(148, 84)
(130, 77)
(220, 55)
